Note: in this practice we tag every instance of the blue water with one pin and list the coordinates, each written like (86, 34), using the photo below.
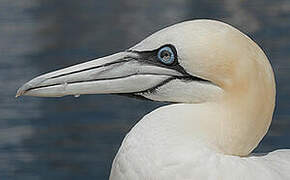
(77, 138)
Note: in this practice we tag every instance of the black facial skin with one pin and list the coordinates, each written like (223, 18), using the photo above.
(151, 57)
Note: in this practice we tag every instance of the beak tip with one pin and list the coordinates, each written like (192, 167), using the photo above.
(27, 86)
(22, 90)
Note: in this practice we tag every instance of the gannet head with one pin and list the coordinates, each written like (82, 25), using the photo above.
(191, 62)
(226, 61)
(163, 67)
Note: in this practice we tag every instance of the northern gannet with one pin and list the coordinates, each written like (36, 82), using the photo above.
(224, 89)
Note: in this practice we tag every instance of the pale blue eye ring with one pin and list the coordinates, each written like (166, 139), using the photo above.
(166, 55)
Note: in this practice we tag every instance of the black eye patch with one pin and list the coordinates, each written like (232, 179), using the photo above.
(151, 57)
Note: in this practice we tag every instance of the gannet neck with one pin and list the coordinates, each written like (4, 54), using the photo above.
(249, 95)
(245, 110)
(184, 135)
(240, 68)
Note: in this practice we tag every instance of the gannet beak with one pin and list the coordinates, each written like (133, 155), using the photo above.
(119, 73)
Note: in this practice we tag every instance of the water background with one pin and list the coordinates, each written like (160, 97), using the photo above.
(77, 138)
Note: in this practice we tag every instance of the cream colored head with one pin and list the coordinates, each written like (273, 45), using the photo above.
(219, 53)
(215, 63)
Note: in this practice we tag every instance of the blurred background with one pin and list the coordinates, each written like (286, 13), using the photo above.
(77, 138)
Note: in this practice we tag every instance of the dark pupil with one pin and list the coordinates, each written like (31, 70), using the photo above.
(165, 55)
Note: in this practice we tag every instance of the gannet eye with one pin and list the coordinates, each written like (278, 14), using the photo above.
(166, 55)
